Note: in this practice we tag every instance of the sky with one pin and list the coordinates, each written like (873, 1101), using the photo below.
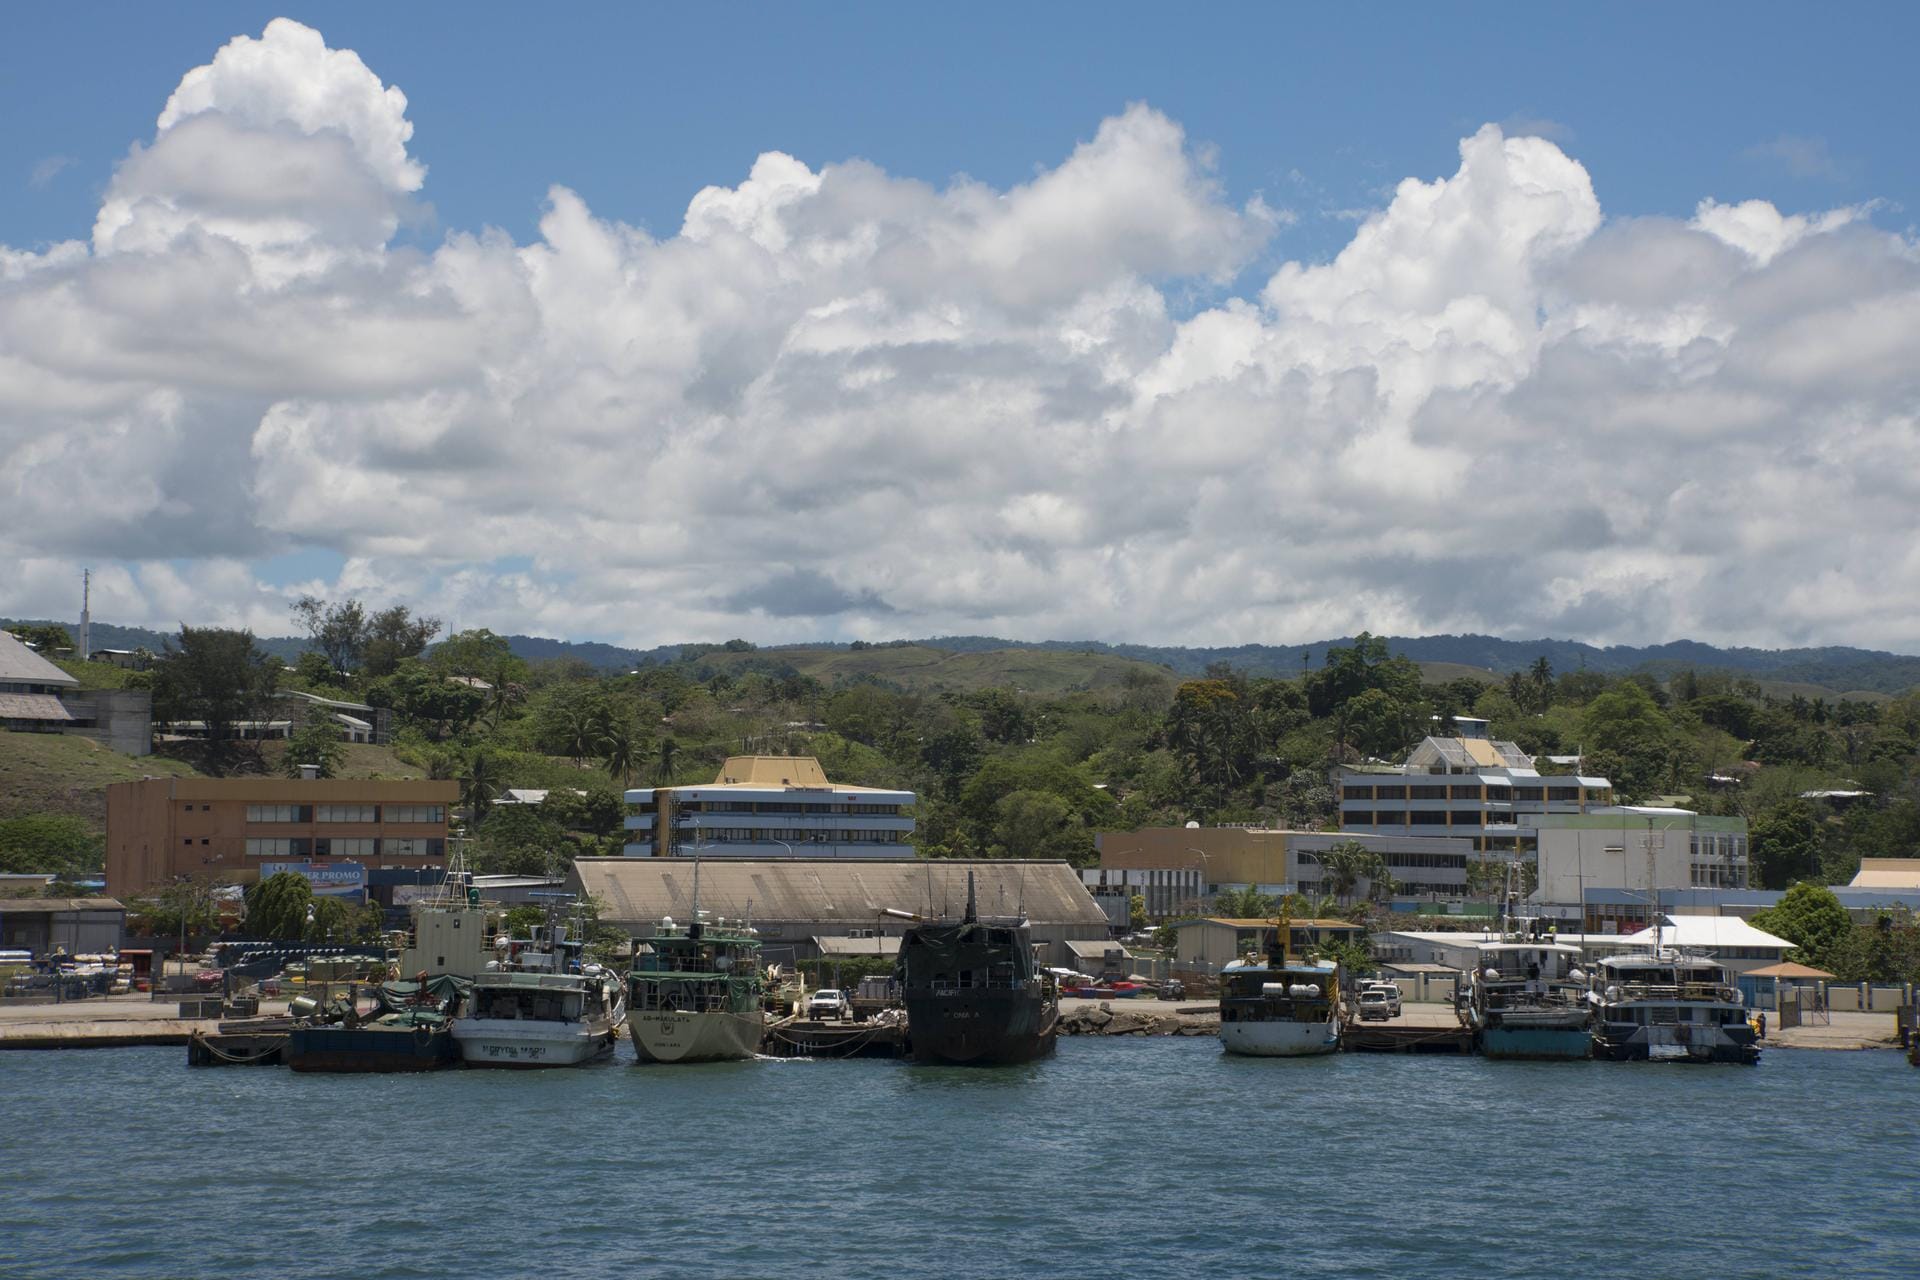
(1253, 325)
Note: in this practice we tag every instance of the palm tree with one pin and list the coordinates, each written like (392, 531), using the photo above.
(477, 788)
(663, 770)
(1542, 675)
(620, 752)
(1345, 864)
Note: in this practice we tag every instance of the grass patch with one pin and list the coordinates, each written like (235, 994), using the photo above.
(62, 773)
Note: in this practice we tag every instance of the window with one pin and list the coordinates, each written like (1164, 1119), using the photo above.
(279, 813)
(1427, 793)
(1466, 793)
(346, 846)
(277, 847)
(1529, 793)
(1427, 818)
(414, 847)
(1389, 793)
(346, 813)
(1570, 795)
(1357, 817)
(1356, 793)
(416, 813)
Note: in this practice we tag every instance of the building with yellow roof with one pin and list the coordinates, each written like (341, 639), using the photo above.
(769, 807)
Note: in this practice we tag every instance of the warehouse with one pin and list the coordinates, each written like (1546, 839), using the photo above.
(73, 925)
(794, 901)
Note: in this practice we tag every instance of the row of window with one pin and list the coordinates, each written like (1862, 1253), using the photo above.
(761, 835)
(345, 812)
(1494, 794)
(788, 806)
(354, 847)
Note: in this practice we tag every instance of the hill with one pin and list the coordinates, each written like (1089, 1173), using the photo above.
(1829, 671)
(921, 667)
(62, 773)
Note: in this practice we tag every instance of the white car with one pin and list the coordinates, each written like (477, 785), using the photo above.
(829, 1002)
(1388, 992)
(1373, 1006)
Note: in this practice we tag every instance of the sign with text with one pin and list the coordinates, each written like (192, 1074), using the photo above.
(343, 878)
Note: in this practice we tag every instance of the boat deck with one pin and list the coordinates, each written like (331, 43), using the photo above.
(1420, 1029)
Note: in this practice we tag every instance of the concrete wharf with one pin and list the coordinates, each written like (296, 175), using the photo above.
(1419, 1029)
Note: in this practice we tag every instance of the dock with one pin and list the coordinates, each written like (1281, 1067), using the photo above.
(242, 1042)
(1421, 1029)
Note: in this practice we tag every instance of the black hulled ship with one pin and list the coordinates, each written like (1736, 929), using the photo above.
(973, 993)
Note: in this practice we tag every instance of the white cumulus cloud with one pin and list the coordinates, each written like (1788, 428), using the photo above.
(837, 402)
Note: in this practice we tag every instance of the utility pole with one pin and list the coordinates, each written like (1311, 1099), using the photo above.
(86, 614)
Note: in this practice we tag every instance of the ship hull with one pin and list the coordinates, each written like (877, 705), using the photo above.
(975, 1027)
(505, 1042)
(667, 1036)
(1667, 1043)
(372, 1050)
(1279, 1039)
(1574, 1043)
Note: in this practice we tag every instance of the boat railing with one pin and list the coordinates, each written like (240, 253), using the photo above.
(975, 984)
(1679, 991)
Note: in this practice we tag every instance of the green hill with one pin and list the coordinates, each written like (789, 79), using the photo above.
(62, 773)
(1044, 671)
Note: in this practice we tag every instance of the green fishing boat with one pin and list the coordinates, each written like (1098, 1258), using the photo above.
(695, 995)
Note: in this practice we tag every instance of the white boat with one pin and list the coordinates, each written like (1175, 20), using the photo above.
(696, 994)
(1669, 1006)
(540, 1006)
(1281, 1008)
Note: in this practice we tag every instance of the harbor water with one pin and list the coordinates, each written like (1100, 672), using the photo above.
(1113, 1158)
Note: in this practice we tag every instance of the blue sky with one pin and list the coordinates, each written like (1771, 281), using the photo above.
(1198, 324)
(636, 107)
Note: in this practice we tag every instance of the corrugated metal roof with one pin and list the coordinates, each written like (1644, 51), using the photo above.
(17, 662)
(28, 906)
(33, 706)
(842, 892)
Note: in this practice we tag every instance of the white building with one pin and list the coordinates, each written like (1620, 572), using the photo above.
(1466, 787)
(1636, 848)
(769, 807)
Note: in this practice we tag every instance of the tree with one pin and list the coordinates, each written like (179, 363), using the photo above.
(1136, 911)
(316, 742)
(621, 753)
(277, 906)
(477, 653)
(48, 637)
(216, 676)
(477, 788)
(663, 766)
(1785, 842)
(339, 631)
(49, 844)
(393, 634)
(184, 906)
(1345, 864)
(330, 920)
(1245, 904)
(1810, 917)
(1038, 824)
(518, 839)
(427, 700)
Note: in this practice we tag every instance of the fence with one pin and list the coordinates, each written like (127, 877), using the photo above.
(1866, 998)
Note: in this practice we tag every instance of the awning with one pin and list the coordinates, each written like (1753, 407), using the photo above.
(33, 706)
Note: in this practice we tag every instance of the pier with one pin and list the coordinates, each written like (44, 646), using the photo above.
(1429, 1028)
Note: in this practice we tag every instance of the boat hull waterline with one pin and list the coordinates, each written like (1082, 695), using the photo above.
(1280, 1039)
(661, 1035)
(981, 1027)
(1569, 1043)
(502, 1042)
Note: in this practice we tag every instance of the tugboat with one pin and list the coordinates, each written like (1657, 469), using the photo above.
(1527, 998)
(973, 994)
(1282, 1007)
(1666, 1006)
(697, 994)
(539, 1005)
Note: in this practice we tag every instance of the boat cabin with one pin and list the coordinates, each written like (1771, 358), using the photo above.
(1299, 992)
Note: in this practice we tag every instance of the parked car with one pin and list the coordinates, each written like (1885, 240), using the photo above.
(1373, 1006)
(1173, 990)
(1387, 989)
(829, 1002)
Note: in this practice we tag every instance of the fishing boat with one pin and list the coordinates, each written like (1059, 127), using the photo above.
(695, 994)
(973, 994)
(408, 1028)
(1527, 998)
(540, 1004)
(1280, 1007)
(1666, 1005)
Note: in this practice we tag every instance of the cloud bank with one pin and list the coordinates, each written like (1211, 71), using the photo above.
(840, 403)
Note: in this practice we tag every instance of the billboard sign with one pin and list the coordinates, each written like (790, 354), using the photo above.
(343, 879)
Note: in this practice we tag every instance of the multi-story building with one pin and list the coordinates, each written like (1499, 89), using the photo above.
(769, 807)
(1469, 787)
(38, 697)
(234, 829)
(1635, 850)
(1178, 870)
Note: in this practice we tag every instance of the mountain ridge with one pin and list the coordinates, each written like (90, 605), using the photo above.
(1839, 667)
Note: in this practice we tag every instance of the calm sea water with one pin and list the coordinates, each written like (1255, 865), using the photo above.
(1117, 1158)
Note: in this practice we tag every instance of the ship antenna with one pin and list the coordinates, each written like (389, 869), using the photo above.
(693, 925)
